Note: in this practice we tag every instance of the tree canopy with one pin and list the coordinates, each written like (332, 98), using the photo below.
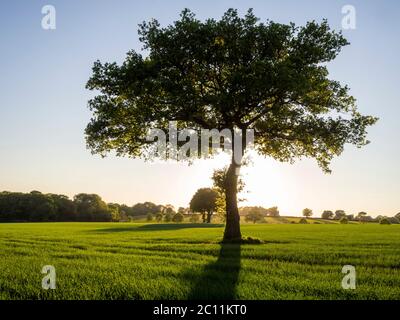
(235, 72)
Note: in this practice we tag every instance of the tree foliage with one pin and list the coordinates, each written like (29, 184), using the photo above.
(235, 72)
(36, 206)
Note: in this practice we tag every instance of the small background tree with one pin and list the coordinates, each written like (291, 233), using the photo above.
(204, 201)
(327, 214)
(307, 212)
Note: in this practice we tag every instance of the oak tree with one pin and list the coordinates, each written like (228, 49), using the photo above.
(236, 73)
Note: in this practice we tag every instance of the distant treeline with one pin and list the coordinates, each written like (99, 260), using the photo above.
(36, 206)
(272, 212)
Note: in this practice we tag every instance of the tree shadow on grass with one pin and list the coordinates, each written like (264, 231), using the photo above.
(155, 227)
(219, 279)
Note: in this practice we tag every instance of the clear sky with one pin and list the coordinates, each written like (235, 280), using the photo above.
(43, 109)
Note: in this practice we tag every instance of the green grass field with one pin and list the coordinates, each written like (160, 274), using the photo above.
(183, 261)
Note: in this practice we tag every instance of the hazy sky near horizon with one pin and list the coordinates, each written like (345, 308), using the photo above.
(43, 106)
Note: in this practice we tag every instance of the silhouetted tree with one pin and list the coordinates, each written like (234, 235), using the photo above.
(235, 74)
(307, 212)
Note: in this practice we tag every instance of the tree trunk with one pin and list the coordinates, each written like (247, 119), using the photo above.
(209, 214)
(232, 227)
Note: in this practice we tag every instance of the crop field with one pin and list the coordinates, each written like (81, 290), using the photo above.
(186, 261)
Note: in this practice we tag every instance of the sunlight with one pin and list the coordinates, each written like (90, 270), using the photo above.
(266, 181)
(266, 184)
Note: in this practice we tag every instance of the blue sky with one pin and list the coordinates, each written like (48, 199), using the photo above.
(43, 109)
